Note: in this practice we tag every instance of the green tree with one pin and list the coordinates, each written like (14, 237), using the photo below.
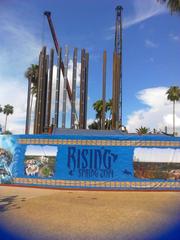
(32, 75)
(94, 125)
(8, 109)
(173, 94)
(98, 107)
(7, 132)
(173, 5)
(142, 130)
(33, 94)
(109, 108)
(1, 109)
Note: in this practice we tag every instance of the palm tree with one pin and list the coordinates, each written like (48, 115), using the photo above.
(98, 107)
(142, 130)
(1, 109)
(108, 122)
(94, 125)
(173, 94)
(8, 109)
(32, 75)
(173, 5)
(33, 93)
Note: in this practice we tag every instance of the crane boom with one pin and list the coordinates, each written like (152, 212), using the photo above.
(48, 15)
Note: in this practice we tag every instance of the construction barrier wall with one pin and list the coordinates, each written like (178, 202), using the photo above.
(124, 162)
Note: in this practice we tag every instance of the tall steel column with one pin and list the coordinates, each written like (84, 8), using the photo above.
(57, 93)
(104, 89)
(49, 92)
(41, 91)
(45, 94)
(27, 128)
(37, 98)
(64, 88)
(86, 89)
(117, 73)
(82, 89)
(74, 77)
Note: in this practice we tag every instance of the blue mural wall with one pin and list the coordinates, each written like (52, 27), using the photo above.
(82, 161)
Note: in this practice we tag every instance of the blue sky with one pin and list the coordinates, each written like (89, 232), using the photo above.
(151, 50)
(39, 150)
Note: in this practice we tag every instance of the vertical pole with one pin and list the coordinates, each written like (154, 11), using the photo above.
(35, 117)
(56, 115)
(120, 63)
(49, 94)
(74, 77)
(174, 131)
(45, 93)
(86, 89)
(41, 92)
(117, 72)
(38, 97)
(104, 89)
(64, 88)
(117, 123)
(28, 108)
(114, 93)
(82, 90)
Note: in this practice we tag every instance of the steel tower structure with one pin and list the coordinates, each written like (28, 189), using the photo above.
(117, 72)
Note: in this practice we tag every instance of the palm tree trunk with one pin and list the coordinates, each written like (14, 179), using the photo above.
(28, 107)
(5, 123)
(174, 118)
(30, 111)
(35, 117)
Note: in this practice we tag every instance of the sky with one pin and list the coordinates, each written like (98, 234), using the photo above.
(151, 50)
(167, 155)
(39, 150)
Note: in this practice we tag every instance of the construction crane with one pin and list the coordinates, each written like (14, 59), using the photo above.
(56, 43)
(48, 15)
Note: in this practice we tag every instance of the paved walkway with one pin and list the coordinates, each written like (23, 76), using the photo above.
(60, 214)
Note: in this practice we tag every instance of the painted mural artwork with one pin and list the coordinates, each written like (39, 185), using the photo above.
(7, 161)
(40, 160)
(157, 163)
(25, 160)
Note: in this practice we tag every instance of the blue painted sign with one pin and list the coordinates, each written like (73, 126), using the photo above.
(121, 162)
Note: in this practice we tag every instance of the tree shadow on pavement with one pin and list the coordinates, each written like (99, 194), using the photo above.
(9, 203)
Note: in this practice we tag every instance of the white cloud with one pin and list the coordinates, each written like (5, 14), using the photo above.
(174, 37)
(142, 10)
(157, 112)
(15, 95)
(19, 47)
(150, 44)
(89, 121)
